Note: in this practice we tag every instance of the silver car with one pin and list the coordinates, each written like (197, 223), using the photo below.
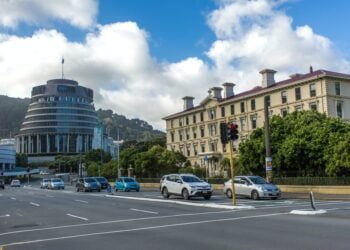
(45, 183)
(254, 187)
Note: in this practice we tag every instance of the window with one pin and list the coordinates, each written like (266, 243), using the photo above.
(194, 130)
(284, 96)
(172, 136)
(253, 120)
(242, 107)
(202, 132)
(212, 114)
(268, 100)
(187, 120)
(222, 111)
(187, 134)
(171, 123)
(298, 108)
(180, 122)
(202, 116)
(243, 122)
(203, 148)
(180, 135)
(195, 150)
(194, 118)
(284, 112)
(337, 88)
(313, 106)
(224, 148)
(188, 151)
(297, 94)
(232, 107)
(212, 129)
(212, 147)
(312, 87)
(252, 104)
(340, 109)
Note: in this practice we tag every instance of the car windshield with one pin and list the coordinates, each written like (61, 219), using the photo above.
(258, 180)
(56, 180)
(129, 180)
(90, 180)
(187, 178)
(101, 179)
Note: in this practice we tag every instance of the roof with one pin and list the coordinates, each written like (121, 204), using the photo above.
(258, 89)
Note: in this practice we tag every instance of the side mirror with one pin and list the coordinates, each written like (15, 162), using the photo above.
(179, 181)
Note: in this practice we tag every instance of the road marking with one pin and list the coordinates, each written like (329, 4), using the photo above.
(209, 205)
(78, 217)
(13, 198)
(50, 196)
(144, 211)
(5, 215)
(34, 204)
(20, 215)
(113, 221)
(143, 229)
(81, 201)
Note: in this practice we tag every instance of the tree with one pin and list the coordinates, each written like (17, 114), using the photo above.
(301, 145)
(98, 155)
(21, 160)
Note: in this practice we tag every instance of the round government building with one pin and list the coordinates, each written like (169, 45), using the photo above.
(61, 119)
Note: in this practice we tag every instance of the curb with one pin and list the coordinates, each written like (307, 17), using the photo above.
(308, 212)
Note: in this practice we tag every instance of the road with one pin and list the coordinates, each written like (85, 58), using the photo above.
(31, 218)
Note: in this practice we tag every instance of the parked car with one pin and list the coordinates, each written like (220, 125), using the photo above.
(254, 187)
(88, 184)
(103, 182)
(2, 184)
(126, 184)
(15, 183)
(185, 185)
(56, 183)
(45, 183)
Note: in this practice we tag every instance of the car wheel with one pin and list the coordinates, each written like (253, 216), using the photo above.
(229, 193)
(84, 190)
(274, 198)
(99, 190)
(77, 189)
(185, 194)
(255, 195)
(137, 190)
(165, 193)
(207, 197)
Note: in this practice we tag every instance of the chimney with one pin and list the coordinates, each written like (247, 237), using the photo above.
(216, 92)
(188, 102)
(228, 86)
(268, 77)
(294, 76)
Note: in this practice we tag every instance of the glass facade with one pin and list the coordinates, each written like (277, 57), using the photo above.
(60, 119)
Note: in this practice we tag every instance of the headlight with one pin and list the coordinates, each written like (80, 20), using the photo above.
(87, 185)
(263, 189)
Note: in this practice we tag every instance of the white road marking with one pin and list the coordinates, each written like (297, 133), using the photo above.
(21, 215)
(113, 221)
(13, 198)
(81, 201)
(209, 205)
(78, 217)
(308, 212)
(5, 215)
(142, 229)
(50, 196)
(144, 211)
(34, 204)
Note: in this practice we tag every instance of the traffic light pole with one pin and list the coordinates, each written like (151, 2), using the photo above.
(232, 174)
(268, 159)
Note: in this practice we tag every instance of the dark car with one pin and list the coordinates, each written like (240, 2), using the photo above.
(88, 184)
(103, 181)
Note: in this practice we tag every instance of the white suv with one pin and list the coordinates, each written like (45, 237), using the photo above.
(185, 185)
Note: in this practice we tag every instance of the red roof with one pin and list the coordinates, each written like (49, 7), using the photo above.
(257, 89)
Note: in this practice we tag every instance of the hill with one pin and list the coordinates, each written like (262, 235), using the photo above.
(13, 110)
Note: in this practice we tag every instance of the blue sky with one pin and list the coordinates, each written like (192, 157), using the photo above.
(141, 54)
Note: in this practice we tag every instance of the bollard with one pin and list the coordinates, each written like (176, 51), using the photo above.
(312, 201)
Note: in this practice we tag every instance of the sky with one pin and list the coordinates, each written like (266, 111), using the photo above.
(141, 57)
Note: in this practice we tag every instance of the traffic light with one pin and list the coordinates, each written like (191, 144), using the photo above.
(233, 131)
(223, 133)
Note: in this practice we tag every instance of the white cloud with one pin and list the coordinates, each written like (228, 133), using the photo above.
(115, 59)
(76, 12)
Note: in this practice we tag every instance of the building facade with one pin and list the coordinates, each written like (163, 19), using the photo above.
(195, 131)
(60, 120)
(7, 155)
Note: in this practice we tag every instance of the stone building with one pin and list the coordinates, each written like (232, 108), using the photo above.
(195, 131)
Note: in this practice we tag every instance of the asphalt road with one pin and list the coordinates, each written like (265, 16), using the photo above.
(31, 218)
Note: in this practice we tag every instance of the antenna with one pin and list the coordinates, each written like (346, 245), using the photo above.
(62, 62)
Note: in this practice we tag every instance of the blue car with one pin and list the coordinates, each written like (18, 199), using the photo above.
(126, 184)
